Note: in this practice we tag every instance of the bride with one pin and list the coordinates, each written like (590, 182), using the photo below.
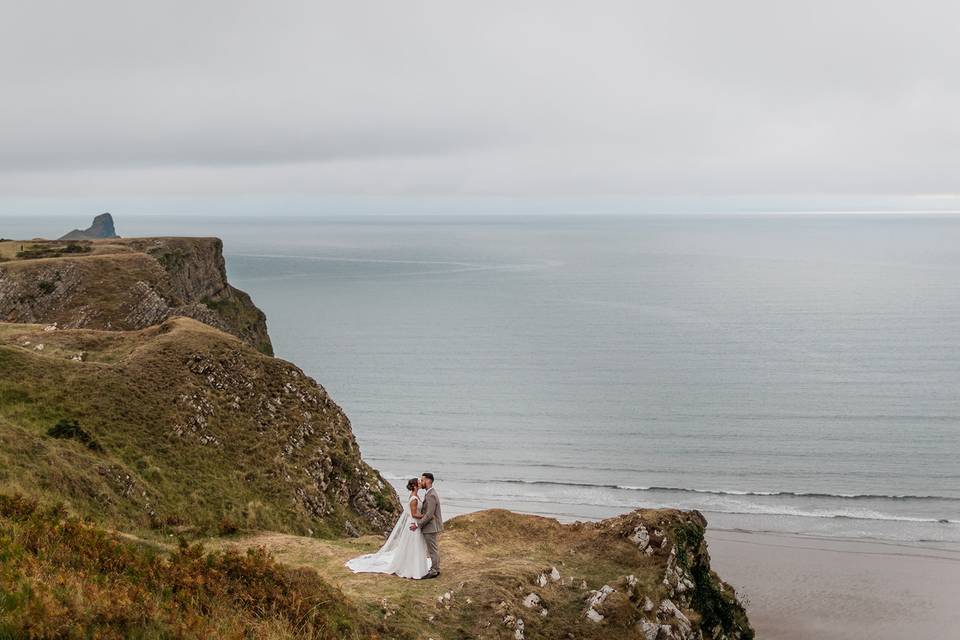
(405, 551)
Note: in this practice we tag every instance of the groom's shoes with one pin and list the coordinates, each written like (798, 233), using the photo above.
(431, 574)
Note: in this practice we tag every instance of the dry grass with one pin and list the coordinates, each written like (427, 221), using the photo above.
(491, 561)
(10, 248)
(60, 578)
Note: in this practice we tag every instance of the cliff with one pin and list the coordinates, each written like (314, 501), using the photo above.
(126, 405)
(125, 285)
(193, 428)
(644, 575)
(102, 227)
(641, 576)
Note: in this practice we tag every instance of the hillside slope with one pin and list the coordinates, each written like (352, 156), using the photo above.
(119, 415)
(191, 426)
(60, 578)
(124, 284)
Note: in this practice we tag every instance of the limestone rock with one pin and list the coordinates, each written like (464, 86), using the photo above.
(649, 629)
(595, 602)
(132, 284)
(641, 537)
(669, 610)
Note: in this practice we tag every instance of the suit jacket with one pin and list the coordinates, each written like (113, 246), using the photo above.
(432, 519)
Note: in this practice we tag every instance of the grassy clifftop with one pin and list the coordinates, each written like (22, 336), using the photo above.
(123, 284)
(192, 428)
(119, 414)
(642, 576)
(507, 576)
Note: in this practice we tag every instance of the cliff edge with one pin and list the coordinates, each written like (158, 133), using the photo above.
(179, 426)
(137, 395)
(125, 284)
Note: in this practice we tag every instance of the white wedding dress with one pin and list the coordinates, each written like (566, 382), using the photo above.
(404, 553)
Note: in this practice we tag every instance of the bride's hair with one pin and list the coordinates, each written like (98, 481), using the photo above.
(411, 483)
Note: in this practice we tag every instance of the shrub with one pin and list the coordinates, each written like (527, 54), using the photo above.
(62, 578)
(228, 526)
(51, 250)
(71, 429)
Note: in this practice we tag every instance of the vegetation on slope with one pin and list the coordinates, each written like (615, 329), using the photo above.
(506, 577)
(177, 429)
(60, 578)
(193, 430)
(641, 576)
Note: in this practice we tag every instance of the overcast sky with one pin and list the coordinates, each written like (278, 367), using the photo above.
(173, 105)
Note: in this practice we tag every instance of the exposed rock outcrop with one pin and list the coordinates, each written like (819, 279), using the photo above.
(200, 432)
(194, 428)
(511, 575)
(130, 284)
(102, 227)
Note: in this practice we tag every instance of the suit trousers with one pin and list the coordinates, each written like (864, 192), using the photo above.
(433, 550)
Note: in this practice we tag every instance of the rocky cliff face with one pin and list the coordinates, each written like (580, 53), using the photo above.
(102, 227)
(180, 425)
(128, 285)
(133, 406)
(644, 575)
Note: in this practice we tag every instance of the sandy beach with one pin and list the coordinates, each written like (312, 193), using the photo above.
(799, 587)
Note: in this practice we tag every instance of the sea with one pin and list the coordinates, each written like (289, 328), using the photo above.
(786, 373)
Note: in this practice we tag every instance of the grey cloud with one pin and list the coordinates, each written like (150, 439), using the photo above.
(452, 98)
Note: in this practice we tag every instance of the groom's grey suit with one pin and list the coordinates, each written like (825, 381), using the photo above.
(431, 523)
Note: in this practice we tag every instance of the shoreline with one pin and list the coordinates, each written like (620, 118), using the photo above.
(946, 547)
(797, 586)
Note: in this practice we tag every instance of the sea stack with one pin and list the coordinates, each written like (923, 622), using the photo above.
(102, 227)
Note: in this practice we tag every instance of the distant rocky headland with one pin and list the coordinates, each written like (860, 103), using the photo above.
(142, 413)
(125, 284)
(102, 227)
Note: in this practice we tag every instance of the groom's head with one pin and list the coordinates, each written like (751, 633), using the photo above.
(426, 480)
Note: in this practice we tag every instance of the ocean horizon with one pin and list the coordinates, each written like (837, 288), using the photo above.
(793, 374)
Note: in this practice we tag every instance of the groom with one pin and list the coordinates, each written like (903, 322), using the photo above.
(431, 523)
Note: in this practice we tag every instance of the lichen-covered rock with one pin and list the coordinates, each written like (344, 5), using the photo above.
(673, 541)
(532, 600)
(595, 603)
(641, 537)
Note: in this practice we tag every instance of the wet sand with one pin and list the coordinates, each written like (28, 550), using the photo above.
(799, 587)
